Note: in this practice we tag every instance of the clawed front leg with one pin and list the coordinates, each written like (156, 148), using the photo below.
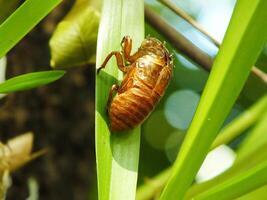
(126, 45)
(119, 60)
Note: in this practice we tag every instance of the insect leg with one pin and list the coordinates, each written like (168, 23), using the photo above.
(119, 60)
(114, 88)
(126, 45)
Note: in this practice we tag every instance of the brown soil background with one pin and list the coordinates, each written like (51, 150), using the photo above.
(61, 115)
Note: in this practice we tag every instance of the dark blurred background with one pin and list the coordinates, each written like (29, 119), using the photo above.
(61, 115)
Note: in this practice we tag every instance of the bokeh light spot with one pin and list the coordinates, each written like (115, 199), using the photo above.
(173, 144)
(156, 130)
(180, 108)
(216, 162)
(187, 63)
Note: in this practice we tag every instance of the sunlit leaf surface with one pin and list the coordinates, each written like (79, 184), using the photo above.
(117, 153)
(29, 81)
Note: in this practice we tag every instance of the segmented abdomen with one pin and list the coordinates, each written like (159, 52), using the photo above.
(130, 108)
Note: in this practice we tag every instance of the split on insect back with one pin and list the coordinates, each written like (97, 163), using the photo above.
(147, 73)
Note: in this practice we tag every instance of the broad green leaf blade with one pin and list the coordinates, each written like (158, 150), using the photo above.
(117, 154)
(29, 81)
(242, 44)
(22, 21)
(238, 185)
(74, 40)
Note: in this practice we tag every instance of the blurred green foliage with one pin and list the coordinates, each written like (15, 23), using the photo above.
(7, 7)
(74, 40)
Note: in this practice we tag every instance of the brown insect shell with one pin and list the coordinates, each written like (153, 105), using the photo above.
(142, 87)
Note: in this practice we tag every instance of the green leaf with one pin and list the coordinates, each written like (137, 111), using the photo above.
(255, 156)
(237, 185)
(242, 44)
(255, 139)
(74, 40)
(258, 194)
(242, 122)
(29, 81)
(117, 154)
(226, 135)
(22, 21)
(153, 186)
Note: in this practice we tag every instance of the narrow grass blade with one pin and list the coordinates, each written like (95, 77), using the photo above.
(242, 122)
(254, 140)
(29, 81)
(258, 194)
(227, 134)
(117, 154)
(255, 156)
(153, 186)
(239, 51)
(15, 27)
(238, 185)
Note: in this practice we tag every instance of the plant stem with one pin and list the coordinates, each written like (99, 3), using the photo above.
(180, 12)
(153, 186)
(183, 45)
(178, 41)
